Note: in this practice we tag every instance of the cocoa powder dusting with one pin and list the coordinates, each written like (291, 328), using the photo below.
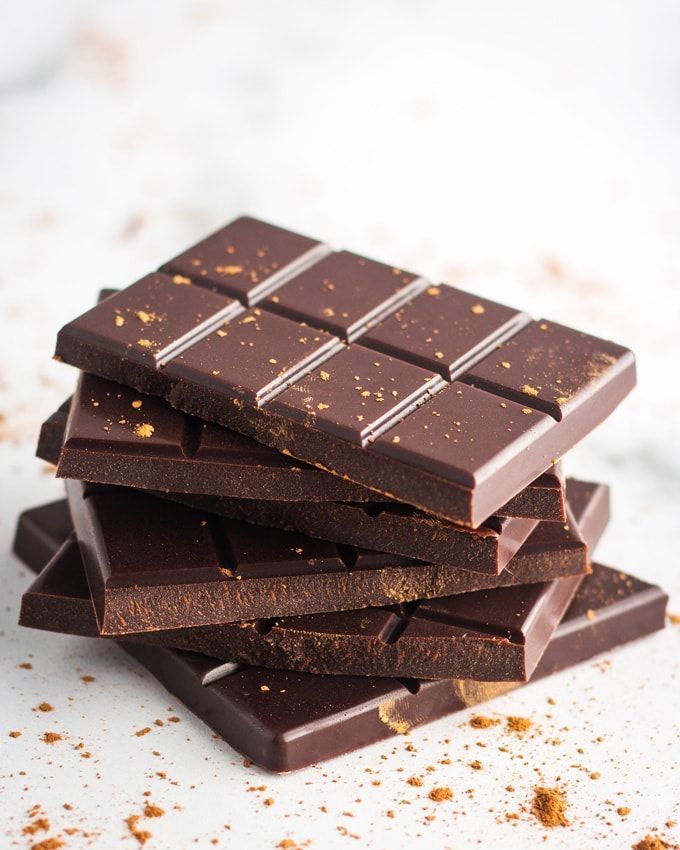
(549, 806)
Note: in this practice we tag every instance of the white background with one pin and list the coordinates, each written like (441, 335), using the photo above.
(527, 151)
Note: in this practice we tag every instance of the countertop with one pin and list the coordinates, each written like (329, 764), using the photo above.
(524, 151)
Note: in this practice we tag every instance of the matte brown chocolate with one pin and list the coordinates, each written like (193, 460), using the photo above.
(104, 440)
(458, 444)
(284, 721)
(153, 564)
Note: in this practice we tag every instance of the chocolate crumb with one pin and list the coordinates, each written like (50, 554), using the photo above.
(151, 811)
(476, 764)
(48, 844)
(415, 781)
(518, 724)
(623, 811)
(15, 734)
(87, 679)
(549, 806)
(652, 842)
(44, 706)
(51, 737)
(144, 731)
(441, 794)
(142, 835)
(479, 721)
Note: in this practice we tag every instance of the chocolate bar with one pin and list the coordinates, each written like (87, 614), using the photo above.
(389, 527)
(425, 394)
(496, 635)
(154, 564)
(104, 441)
(285, 721)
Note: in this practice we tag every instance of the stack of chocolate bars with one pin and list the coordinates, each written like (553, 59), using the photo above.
(320, 498)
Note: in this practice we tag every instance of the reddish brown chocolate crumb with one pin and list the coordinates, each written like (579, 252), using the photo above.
(652, 842)
(479, 721)
(26, 665)
(674, 619)
(415, 781)
(15, 734)
(51, 737)
(441, 794)
(476, 764)
(549, 806)
(269, 801)
(389, 813)
(595, 774)
(623, 811)
(144, 731)
(173, 719)
(48, 844)
(38, 825)
(287, 844)
(518, 724)
(44, 706)
(151, 811)
(68, 807)
(142, 835)
(159, 722)
(87, 679)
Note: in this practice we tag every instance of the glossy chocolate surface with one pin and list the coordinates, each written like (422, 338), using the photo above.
(285, 721)
(154, 564)
(458, 441)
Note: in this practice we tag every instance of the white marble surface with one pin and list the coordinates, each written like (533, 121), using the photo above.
(528, 151)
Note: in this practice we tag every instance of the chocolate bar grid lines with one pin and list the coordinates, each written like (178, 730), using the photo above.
(108, 440)
(485, 442)
(174, 567)
(314, 718)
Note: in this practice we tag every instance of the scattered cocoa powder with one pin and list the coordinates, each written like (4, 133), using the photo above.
(439, 795)
(151, 811)
(142, 835)
(518, 724)
(51, 737)
(479, 721)
(38, 825)
(652, 842)
(549, 806)
(48, 844)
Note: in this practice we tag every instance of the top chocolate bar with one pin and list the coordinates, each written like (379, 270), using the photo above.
(423, 393)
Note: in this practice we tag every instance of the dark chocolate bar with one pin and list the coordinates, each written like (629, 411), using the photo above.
(105, 441)
(495, 635)
(448, 402)
(154, 564)
(389, 527)
(285, 721)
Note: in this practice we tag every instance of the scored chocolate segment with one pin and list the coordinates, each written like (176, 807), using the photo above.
(601, 376)
(246, 259)
(464, 434)
(313, 717)
(345, 294)
(357, 393)
(254, 356)
(445, 329)
(153, 565)
(154, 317)
(552, 368)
